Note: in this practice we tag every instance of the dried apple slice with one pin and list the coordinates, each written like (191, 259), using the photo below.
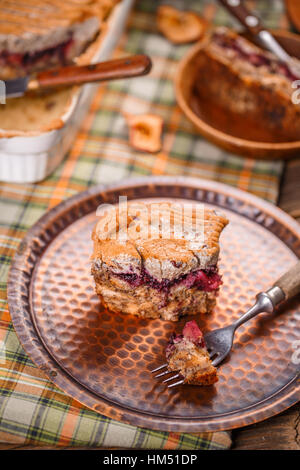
(179, 26)
(145, 131)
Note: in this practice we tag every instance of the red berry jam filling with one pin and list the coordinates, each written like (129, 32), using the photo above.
(191, 332)
(203, 279)
(256, 59)
(58, 52)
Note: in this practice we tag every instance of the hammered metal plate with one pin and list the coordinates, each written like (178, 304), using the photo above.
(104, 360)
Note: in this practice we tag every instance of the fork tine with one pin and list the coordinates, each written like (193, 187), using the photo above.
(159, 368)
(218, 360)
(163, 373)
(212, 354)
(171, 378)
(179, 382)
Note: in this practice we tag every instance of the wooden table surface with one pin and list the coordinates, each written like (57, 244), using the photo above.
(281, 432)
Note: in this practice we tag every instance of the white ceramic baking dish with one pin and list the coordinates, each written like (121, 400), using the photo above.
(28, 159)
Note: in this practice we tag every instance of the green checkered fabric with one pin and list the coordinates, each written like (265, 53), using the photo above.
(32, 410)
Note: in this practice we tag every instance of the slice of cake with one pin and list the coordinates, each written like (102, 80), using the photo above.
(142, 267)
(187, 354)
(38, 35)
(249, 82)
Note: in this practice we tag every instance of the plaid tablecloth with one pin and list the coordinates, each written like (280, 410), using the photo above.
(32, 410)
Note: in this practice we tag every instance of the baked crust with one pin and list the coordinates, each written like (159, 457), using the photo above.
(155, 276)
(162, 257)
(249, 82)
(34, 17)
(188, 355)
(34, 114)
(43, 112)
(22, 23)
(44, 34)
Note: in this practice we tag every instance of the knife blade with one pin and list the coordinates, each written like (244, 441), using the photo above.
(15, 88)
(127, 67)
(270, 43)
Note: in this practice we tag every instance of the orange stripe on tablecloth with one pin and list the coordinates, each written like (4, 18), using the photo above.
(168, 140)
(9, 241)
(8, 438)
(69, 166)
(2, 335)
(160, 163)
(5, 315)
(41, 194)
(171, 160)
(120, 47)
(209, 12)
(172, 441)
(31, 377)
(24, 388)
(9, 186)
(130, 159)
(111, 155)
(284, 21)
(185, 125)
(31, 386)
(37, 198)
(8, 251)
(137, 99)
(69, 425)
(245, 175)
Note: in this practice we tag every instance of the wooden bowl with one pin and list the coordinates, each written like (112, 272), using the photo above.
(293, 11)
(212, 122)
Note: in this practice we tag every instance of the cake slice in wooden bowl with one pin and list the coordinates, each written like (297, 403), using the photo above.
(249, 85)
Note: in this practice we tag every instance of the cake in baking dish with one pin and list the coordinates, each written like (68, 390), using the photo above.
(186, 354)
(142, 269)
(35, 35)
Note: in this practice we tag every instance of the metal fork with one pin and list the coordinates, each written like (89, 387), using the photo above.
(219, 342)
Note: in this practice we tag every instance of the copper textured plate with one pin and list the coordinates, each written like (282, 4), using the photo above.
(104, 360)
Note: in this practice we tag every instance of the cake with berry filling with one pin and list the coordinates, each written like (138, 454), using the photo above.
(187, 354)
(158, 260)
(35, 35)
(249, 82)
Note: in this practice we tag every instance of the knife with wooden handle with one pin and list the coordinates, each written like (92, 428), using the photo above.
(127, 67)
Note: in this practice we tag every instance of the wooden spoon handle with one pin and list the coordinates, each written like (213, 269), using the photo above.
(290, 282)
(126, 67)
(241, 12)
